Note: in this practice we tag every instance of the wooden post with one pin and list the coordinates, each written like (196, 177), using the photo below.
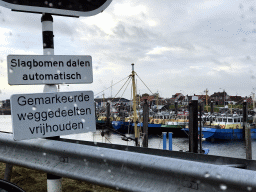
(176, 108)
(245, 111)
(212, 111)
(248, 142)
(212, 107)
(247, 132)
(193, 125)
(108, 114)
(145, 123)
(200, 125)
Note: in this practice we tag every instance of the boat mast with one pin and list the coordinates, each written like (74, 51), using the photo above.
(134, 106)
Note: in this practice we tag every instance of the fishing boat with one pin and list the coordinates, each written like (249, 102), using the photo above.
(158, 121)
(230, 128)
(226, 128)
(123, 126)
(176, 123)
(206, 132)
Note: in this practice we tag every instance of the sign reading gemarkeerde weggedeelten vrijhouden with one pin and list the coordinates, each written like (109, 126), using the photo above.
(49, 69)
(52, 114)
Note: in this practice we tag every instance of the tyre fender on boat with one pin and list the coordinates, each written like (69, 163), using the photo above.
(222, 126)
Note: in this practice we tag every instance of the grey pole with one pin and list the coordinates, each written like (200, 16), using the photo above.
(193, 125)
(53, 181)
(108, 115)
(247, 132)
(212, 111)
(145, 123)
(200, 125)
(8, 172)
(176, 108)
(245, 111)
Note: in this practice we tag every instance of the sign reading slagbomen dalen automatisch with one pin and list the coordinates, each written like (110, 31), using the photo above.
(52, 114)
(49, 69)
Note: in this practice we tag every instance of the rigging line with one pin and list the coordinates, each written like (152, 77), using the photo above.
(120, 89)
(112, 85)
(105, 136)
(107, 139)
(113, 130)
(126, 87)
(144, 83)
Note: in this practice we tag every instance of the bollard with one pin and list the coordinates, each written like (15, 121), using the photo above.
(170, 141)
(8, 172)
(164, 140)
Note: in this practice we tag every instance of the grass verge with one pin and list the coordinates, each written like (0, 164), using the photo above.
(33, 180)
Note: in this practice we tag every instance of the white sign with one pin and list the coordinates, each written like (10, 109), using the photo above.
(61, 7)
(49, 69)
(52, 114)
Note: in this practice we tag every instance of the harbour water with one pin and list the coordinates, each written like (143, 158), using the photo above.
(220, 148)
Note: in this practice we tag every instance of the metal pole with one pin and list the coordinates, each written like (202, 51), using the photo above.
(212, 110)
(248, 141)
(253, 101)
(170, 141)
(108, 115)
(164, 140)
(176, 108)
(8, 172)
(200, 121)
(244, 117)
(53, 181)
(247, 132)
(212, 107)
(145, 123)
(193, 125)
(224, 97)
(206, 99)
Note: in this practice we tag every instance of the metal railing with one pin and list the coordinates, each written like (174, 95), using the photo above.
(130, 168)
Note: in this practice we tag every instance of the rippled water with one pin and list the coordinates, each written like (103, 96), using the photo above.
(220, 148)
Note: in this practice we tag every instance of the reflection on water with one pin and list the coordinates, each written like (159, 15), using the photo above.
(5, 123)
(154, 140)
(220, 148)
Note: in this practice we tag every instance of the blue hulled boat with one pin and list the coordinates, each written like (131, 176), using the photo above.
(232, 134)
(226, 128)
(206, 132)
(122, 126)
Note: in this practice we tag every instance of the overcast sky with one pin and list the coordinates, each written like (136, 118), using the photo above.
(176, 45)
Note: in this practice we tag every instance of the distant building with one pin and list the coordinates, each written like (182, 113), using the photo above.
(219, 98)
(5, 107)
(178, 97)
(102, 102)
(186, 100)
(234, 100)
(6, 103)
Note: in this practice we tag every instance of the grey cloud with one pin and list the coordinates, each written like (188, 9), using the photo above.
(120, 31)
